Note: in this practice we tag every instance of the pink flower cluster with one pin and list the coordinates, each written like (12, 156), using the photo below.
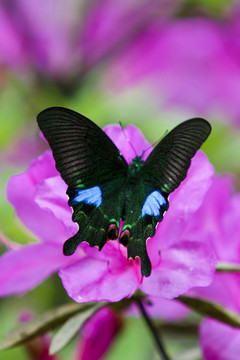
(203, 218)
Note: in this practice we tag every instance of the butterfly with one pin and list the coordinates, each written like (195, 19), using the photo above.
(104, 190)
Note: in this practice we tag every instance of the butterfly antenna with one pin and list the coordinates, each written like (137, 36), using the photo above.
(127, 139)
(154, 144)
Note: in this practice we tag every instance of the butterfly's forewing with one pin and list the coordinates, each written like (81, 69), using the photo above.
(164, 170)
(167, 165)
(94, 171)
(84, 154)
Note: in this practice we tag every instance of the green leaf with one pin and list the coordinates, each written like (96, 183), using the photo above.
(71, 328)
(43, 323)
(227, 267)
(190, 354)
(212, 309)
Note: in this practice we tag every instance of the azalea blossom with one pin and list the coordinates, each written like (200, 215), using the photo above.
(40, 201)
(218, 218)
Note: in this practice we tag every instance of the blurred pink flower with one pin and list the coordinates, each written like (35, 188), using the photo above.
(168, 310)
(21, 151)
(64, 39)
(219, 341)
(192, 63)
(39, 34)
(40, 200)
(11, 45)
(97, 335)
(219, 217)
(113, 25)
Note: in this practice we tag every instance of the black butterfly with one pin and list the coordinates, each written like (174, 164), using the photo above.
(103, 189)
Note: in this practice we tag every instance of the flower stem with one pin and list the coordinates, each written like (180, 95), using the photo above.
(153, 330)
(227, 267)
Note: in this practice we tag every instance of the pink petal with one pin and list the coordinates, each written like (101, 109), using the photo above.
(21, 192)
(218, 219)
(219, 341)
(130, 140)
(182, 266)
(23, 269)
(51, 195)
(169, 310)
(189, 195)
(93, 278)
(225, 289)
(97, 335)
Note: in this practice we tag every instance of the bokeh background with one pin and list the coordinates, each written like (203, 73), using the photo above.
(146, 62)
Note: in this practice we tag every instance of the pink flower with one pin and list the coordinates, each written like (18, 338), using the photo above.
(40, 200)
(97, 335)
(217, 340)
(191, 63)
(219, 218)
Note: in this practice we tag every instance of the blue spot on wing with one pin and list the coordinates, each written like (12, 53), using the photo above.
(154, 204)
(89, 196)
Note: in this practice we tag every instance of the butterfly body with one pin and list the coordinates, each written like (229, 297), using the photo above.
(104, 190)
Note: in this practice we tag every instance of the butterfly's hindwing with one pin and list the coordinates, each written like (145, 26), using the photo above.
(97, 211)
(144, 209)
